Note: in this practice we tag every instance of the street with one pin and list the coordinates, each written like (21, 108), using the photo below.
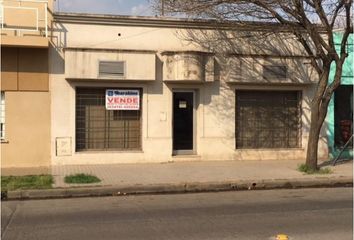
(301, 214)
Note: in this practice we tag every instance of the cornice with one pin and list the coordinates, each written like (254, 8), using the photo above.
(168, 22)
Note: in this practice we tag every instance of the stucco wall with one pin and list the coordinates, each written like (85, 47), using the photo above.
(25, 80)
(347, 79)
(27, 139)
(215, 101)
(83, 64)
(24, 69)
(151, 37)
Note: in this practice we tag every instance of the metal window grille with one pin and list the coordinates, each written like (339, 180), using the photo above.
(2, 115)
(101, 129)
(274, 72)
(268, 119)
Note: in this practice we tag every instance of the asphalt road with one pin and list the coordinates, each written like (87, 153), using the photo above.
(306, 214)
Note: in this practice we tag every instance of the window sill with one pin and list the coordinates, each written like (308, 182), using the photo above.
(4, 141)
(270, 149)
(108, 151)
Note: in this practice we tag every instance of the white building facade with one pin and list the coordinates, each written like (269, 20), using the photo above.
(182, 90)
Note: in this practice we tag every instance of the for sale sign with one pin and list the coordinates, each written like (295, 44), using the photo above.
(122, 99)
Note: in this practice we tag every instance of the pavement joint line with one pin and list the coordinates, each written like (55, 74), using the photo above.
(168, 188)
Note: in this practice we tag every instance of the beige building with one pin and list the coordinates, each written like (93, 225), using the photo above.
(141, 89)
(91, 89)
(25, 95)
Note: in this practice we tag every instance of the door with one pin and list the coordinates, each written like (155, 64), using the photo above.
(343, 114)
(183, 107)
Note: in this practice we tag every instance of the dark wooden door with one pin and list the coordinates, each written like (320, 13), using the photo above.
(183, 121)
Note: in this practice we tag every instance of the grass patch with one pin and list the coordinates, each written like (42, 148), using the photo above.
(81, 178)
(305, 169)
(9, 183)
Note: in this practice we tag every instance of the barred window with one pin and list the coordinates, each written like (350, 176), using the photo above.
(2, 115)
(268, 119)
(101, 129)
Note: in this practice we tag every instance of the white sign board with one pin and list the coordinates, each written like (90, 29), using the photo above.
(122, 99)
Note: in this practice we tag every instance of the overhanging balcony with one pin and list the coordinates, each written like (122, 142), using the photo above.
(24, 23)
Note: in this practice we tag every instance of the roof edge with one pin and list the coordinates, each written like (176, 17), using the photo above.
(168, 22)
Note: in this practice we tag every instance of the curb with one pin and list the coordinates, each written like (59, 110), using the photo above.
(178, 188)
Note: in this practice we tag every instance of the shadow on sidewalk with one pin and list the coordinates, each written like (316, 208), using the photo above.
(339, 162)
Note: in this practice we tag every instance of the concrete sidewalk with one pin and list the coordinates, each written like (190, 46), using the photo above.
(188, 177)
(186, 172)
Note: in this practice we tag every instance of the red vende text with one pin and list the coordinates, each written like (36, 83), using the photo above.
(125, 100)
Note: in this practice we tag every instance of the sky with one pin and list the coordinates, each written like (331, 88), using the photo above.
(119, 7)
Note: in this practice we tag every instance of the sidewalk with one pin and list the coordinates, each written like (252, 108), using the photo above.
(191, 176)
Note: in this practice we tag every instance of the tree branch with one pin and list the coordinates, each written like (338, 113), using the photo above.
(323, 16)
(336, 11)
(309, 51)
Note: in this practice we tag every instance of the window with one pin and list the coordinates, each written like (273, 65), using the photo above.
(2, 115)
(271, 72)
(268, 119)
(343, 114)
(101, 129)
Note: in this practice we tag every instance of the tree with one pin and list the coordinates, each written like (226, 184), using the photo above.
(312, 22)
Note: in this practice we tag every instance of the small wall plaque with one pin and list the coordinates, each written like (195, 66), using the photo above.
(63, 146)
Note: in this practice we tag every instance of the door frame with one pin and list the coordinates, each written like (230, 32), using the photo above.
(192, 151)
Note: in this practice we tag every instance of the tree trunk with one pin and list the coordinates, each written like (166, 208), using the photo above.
(312, 145)
(318, 113)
